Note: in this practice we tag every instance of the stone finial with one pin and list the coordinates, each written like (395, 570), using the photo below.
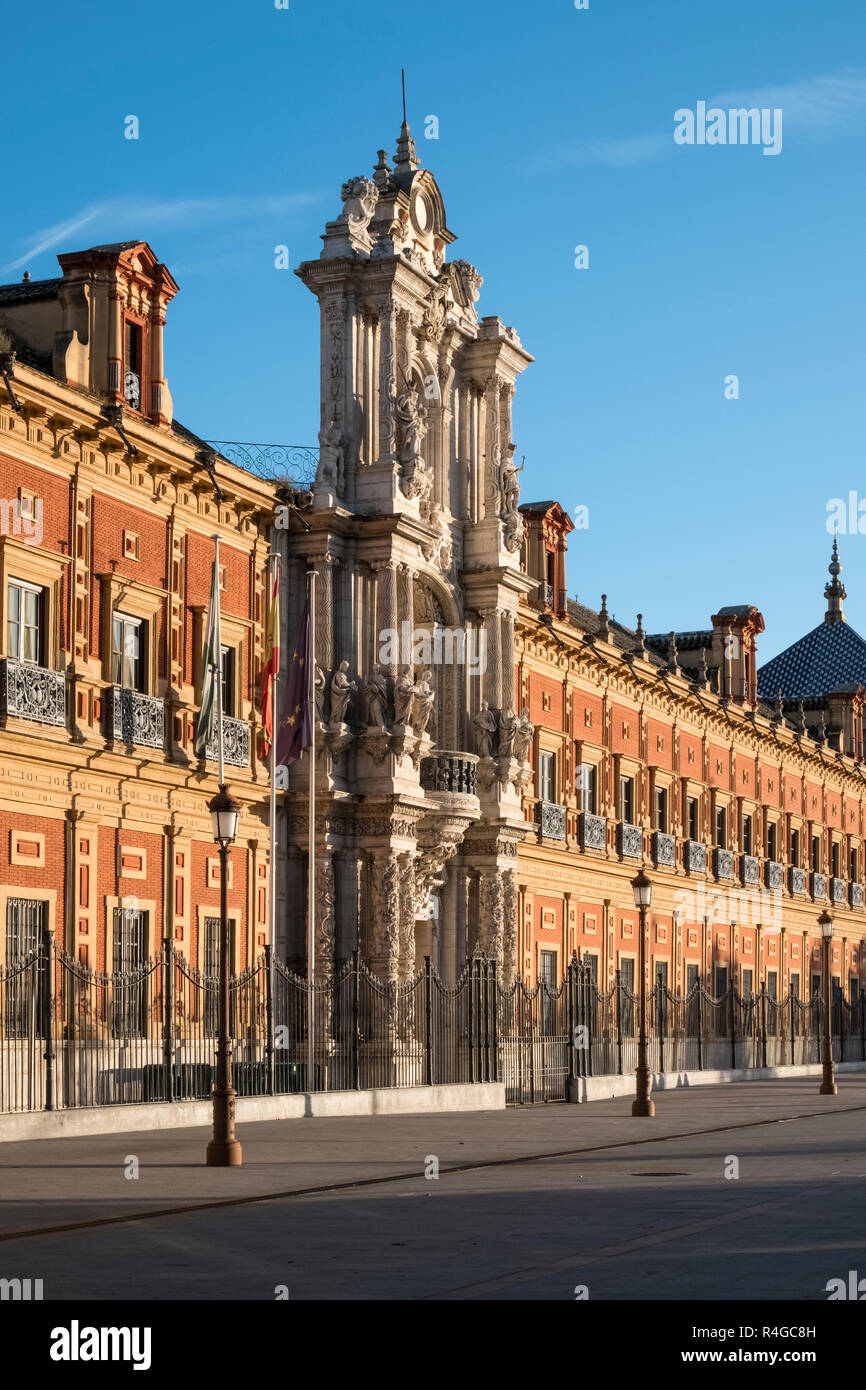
(779, 708)
(406, 157)
(640, 635)
(604, 620)
(381, 173)
(673, 654)
(834, 592)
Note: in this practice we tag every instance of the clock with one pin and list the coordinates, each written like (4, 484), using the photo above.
(132, 390)
(421, 213)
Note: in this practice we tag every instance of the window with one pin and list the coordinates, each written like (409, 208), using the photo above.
(591, 962)
(692, 817)
(795, 985)
(24, 622)
(661, 809)
(586, 787)
(547, 776)
(747, 834)
(816, 983)
(853, 866)
(795, 848)
(834, 859)
(721, 980)
(747, 983)
(816, 854)
(227, 673)
(129, 948)
(853, 989)
(772, 839)
(127, 648)
(721, 827)
(212, 970)
(25, 926)
(132, 360)
(626, 799)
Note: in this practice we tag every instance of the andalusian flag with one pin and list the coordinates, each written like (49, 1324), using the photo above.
(271, 668)
(296, 726)
(210, 668)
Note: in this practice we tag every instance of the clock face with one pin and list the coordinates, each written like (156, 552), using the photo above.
(421, 214)
(132, 390)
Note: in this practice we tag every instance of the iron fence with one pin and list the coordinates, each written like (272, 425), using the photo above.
(73, 1037)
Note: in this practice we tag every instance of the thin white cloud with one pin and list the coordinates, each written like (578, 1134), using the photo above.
(124, 218)
(822, 105)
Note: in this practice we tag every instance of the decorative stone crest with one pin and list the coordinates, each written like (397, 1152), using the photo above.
(360, 196)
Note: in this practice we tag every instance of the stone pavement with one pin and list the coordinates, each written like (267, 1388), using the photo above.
(528, 1203)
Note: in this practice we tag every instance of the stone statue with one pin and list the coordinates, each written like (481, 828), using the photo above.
(507, 731)
(404, 699)
(485, 729)
(360, 196)
(424, 701)
(509, 483)
(410, 415)
(330, 470)
(524, 736)
(376, 699)
(341, 693)
(319, 689)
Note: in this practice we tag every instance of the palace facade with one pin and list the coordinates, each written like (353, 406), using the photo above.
(109, 509)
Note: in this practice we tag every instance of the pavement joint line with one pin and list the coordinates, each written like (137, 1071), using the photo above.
(192, 1208)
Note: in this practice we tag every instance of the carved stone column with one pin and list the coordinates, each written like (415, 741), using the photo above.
(384, 938)
(324, 609)
(407, 916)
(386, 605)
(509, 927)
(493, 677)
(387, 382)
(325, 916)
(491, 909)
(507, 633)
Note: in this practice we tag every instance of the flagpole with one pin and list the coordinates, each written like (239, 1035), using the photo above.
(311, 845)
(275, 724)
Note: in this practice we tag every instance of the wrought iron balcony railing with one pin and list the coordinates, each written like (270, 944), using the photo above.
(750, 871)
(664, 850)
(551, 820)
(695, 857)
(592, 831)
(819, 886)
(629, 840)
(134, 718)
(775, 874)
(32, 692)
(236, 743)
(723, 862)
(449, 772)
(855, 894)
(798, 882)
(837, 890)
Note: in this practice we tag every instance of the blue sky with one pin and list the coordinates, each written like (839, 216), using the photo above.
(555, 130)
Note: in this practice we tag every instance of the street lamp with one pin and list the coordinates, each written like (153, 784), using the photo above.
(828, 1085)
(224, 1151)
(642, 1105)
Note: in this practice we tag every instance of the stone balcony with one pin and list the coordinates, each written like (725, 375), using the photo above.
(449, 772)
(236, 743)
(133, 718)
(629, 840)
(32, 692)
(551, 820)
(592, 831)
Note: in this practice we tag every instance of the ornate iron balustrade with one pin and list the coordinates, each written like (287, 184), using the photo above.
(798, 882)
(837, 890)
(723, 862)
(775, 874)
(750, 871)
(592, 831)
(819, 886)
(855, 894)
(295, 463)
(551, 820)
(695, 857)
(236, 743)
(629, 840)
(449, 772)
(134, 718)
(664, 850)
(32, 692)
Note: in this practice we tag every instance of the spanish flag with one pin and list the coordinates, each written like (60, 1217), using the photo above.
(271, 668)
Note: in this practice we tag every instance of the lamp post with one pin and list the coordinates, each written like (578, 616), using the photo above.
(642, 1105)
(224, 1151)
(828, 1085)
